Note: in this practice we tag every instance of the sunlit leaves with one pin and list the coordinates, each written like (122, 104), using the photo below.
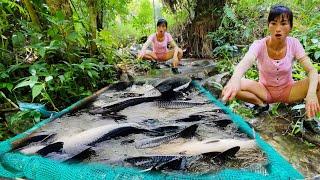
(29, 81)
(36, 90)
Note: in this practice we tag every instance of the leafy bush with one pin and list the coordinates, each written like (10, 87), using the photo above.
(57, 83)
(23, 120)
(142, 17)
(311, 41)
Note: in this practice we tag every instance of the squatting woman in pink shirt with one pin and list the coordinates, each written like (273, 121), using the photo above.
(275, 55)
(160, 41)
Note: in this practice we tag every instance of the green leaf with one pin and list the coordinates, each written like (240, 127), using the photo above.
(18, 39)
(48, 78)
(73, 36)
(314, 41)
(30, 82)
(61, 77)
(37, 117)
(90, 74)
(8, 86)
(33, 80)
(36, 90)
(33, 72)
(22, 84)
(317, 55)
(42, 51)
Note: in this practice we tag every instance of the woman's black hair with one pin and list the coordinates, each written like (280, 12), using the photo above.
(277, 10)
(162, 21)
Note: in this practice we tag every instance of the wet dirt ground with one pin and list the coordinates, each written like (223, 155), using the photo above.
(276, 130)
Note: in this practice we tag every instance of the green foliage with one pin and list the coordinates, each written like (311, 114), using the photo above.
(114, 8)
(143, 17)
(143, 65)
(311, 41)
(23, 120)
(240, 109)
(297, 127)
(123, 34)
(275, 109)
(298, 72)
(252, 73)
(225, 51)
(60, 42)
(178, 20)
(225, 65)
(234, 23)
(107, 44)
(4, 132)
(63, 83)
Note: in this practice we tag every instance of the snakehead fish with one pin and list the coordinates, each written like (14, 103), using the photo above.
(96, 135)
(153, 142)
(160, 90)
(179, 161)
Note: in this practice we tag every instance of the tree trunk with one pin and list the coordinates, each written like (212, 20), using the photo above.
(92, 6)
(206, 19)
(32, 13)
(100, 19)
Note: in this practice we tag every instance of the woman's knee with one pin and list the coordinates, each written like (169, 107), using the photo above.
(255, 88)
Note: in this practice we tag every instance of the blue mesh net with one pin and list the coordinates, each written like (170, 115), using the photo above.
(14, 165)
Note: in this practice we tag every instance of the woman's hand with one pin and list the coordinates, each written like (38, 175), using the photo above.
(312, 105)
(141, 54)
(231, 89)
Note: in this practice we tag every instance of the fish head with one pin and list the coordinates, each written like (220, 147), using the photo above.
(175, 83)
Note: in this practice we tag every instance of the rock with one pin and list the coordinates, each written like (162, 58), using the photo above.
(215, 83)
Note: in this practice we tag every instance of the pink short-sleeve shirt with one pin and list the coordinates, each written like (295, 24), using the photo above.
(160, 47)
(276, 73)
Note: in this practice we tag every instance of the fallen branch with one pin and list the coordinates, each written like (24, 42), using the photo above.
(9, 100)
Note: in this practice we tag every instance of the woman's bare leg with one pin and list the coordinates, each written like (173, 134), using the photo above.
(150, 55)
(252, 92)
(299, 90)
(170, 54)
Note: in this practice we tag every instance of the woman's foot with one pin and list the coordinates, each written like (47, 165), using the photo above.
(175, 70)
(261, 108)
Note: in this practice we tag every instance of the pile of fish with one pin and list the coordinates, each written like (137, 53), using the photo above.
(161, 125)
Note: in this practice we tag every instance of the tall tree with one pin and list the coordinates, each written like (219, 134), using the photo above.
(204, 17)
(32, 13)
(92, 8)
